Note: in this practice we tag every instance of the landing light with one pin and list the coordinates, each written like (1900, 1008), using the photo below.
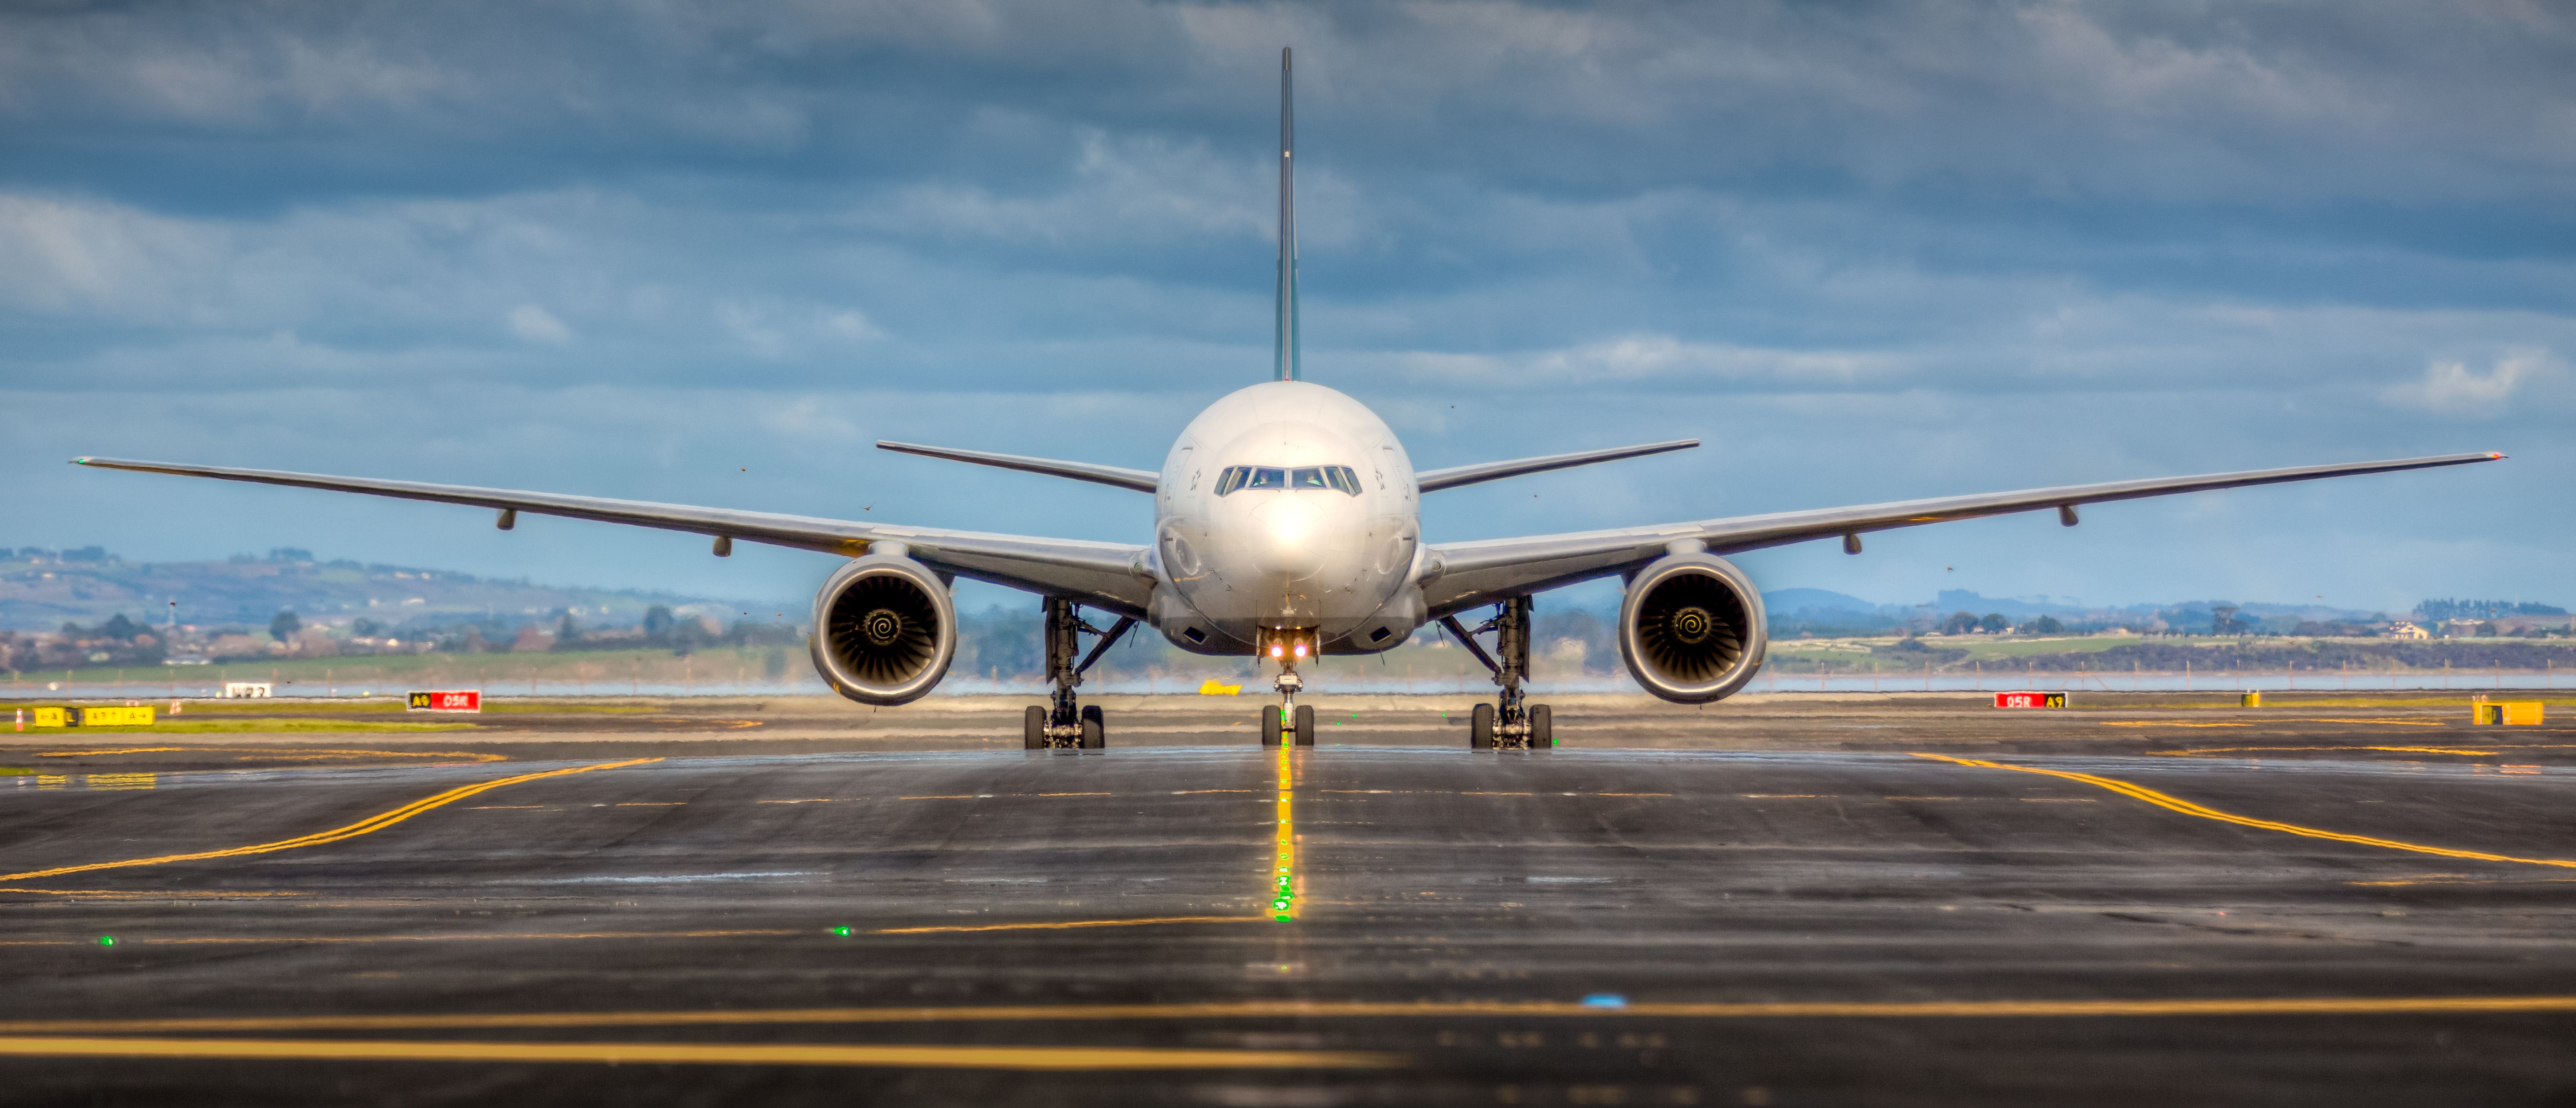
(1275, 651)
(1301, 650)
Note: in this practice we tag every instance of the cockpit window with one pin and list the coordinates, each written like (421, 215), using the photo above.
(1341, 478)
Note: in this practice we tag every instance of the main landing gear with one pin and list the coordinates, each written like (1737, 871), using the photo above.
(1288, 721)
(1064, 724)
(1512, 723)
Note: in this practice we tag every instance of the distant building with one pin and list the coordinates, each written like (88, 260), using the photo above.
(2404, 630)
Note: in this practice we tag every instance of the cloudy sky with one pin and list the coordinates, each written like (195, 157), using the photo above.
(706, 252)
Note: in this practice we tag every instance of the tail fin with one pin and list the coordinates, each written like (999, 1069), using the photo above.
(1284, 345)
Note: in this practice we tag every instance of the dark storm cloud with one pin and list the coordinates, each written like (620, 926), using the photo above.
(1869, 250)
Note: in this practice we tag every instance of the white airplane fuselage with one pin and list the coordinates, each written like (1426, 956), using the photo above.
(1287, 513)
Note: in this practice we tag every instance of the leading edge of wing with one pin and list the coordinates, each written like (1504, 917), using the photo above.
(1119, 476)
(1471, 570)
(1434, 480)
(1108, 573)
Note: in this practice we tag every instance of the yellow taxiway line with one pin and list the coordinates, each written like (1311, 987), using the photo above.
(63, 1030)
(2162, 800)
(292, 753)
(2260, 749)
(1060, 925)
(1283, 869)
(369, 825)
(719, 1054)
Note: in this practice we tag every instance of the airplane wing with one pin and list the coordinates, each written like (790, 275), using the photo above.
(1140, 480)
(1114, 576)
(1465, 574)
(1433, 480)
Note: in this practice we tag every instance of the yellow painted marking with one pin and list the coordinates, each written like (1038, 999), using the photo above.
(1077, 794)
(2179, 723)
(297, 753)
(148, 894)
(369, 825)
(1783, 796)
(1632, 794)
(1196, 792)
(1280, 881)
(717, 1054)
(121, 750)
(807, 800)
(2256, 749)
(2161, 800)
(2468, 881)
(650, 803)
(504, 807)
(463, 937)
(2161, 723)
(1495, 794)
(960, 796)
(1311, 1009)
(1063, 925)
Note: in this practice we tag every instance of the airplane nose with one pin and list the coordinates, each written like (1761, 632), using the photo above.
(1288, 539)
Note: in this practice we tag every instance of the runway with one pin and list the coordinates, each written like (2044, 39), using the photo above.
(1775, 918)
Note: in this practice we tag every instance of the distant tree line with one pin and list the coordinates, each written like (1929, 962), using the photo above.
(2483, 609)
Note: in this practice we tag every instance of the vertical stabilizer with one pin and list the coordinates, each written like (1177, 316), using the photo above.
(1284, 344)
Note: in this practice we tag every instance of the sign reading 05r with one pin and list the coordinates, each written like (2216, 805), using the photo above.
(462, 700)
(2030, 700)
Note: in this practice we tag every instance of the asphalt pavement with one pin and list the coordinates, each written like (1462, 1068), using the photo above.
(2358, 912)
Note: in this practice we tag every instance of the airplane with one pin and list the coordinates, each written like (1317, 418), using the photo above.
(1288, 526)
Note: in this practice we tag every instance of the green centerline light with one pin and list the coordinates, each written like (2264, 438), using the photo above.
(842, 931)
(107, 940)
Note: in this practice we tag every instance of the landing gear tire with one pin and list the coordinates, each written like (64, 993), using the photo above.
(1542, 728)
(1033, 723)
(1270, 725)
(1480, 728)
(1095, 728)
(1305, 725)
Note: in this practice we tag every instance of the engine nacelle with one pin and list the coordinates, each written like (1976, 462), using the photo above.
(1692, 628)
(884, 630)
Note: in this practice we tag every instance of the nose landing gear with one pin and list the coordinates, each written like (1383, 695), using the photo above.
(1513, 723)
(1288, 721)
(1063, 724)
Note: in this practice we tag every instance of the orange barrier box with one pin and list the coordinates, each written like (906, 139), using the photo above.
(2506, 713)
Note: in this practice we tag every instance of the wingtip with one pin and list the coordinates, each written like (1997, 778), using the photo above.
(2495, 456)
(82, 460)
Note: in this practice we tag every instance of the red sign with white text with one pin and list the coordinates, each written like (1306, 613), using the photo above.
(2030, 700)
(461, 700)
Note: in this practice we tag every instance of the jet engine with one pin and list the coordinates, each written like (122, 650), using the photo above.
(1691, 628)
(884, 630)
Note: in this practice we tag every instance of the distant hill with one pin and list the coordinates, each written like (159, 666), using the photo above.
(44, 589)
(1800, 602)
